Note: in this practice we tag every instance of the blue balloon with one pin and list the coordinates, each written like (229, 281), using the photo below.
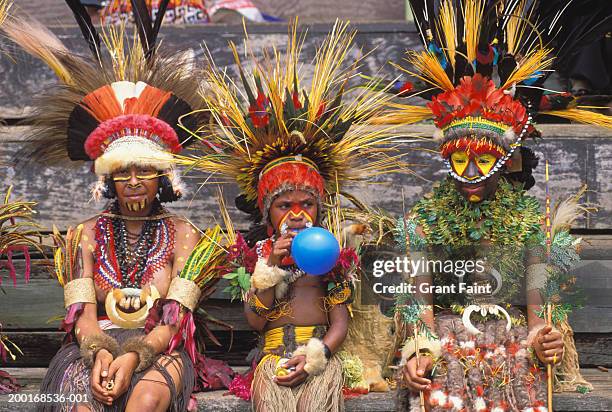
(315, 251)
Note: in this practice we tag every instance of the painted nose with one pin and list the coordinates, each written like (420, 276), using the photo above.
(471, 172)
(134, 181)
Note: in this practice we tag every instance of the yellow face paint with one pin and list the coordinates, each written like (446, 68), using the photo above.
(485, 163)
(459, 161)
(474, 198)
(122, 177)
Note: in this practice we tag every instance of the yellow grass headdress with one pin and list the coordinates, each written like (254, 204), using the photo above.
(272, 134)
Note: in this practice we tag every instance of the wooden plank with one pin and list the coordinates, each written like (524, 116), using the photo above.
(39, 347)
(216, 401)
(63, 194)
(322, 10)
(594, 349)
(22, 306)
(35, 306)
(26, 77)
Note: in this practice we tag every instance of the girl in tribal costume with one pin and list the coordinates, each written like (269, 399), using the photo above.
(119, 110)
(289, 149)
(482, 350)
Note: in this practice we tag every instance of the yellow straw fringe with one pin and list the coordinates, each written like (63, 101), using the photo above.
(472, 16)
(446, 25)
(535, 61)
(428, 69)
(5, 6)
(515, 28)
(404, 114)
(583, 116)
(274, 337)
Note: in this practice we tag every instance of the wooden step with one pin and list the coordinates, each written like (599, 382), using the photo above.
(216, 401)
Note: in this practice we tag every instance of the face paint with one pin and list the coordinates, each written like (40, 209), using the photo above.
(137, 206)
(471, 166)
(125, 176)
(295, 212)
(472, 159)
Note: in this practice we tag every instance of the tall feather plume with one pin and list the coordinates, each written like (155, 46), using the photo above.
(472, 15)
(568, 210)
(37, 40)
(447, 30)
(87, 28)
(583, 116)
(423, 13)
(537, 61)
(147, 29)
(404, 114)
(5, 7)
(516, 23)
(80, 76)
(161, 12)
(143, 23)
(314, 122)
(428, 69)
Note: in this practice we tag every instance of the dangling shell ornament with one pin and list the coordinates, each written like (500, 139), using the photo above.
(129, 307)
(483, 310)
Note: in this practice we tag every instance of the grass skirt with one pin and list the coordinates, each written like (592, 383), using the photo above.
(321, 393)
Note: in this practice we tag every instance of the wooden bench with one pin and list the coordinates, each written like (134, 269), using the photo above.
(218, 401)
(578, 154)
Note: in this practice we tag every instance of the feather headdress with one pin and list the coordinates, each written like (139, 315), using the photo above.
(276, 136)
(118, 108)
(482, 70)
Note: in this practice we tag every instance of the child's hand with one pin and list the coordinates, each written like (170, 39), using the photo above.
(548, 345)
(415, 378)
(99, 376)
(281, 248)
(296, 377)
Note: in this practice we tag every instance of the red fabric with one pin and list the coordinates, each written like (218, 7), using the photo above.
(8, 384)
(292, 174)
(353, 393)
(477, 96)
(148, 126)
(73, 312)
(212, 374)
(241, 385)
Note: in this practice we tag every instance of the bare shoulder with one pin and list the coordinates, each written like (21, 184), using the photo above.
(186, 234)
(89, 228)
(182, 226)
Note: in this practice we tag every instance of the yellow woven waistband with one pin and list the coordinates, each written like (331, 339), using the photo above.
(274, 337)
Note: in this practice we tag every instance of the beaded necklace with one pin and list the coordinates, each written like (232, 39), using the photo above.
(120, 266)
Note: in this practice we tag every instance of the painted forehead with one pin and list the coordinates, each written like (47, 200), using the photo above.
(472, 146)
(294, 196)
